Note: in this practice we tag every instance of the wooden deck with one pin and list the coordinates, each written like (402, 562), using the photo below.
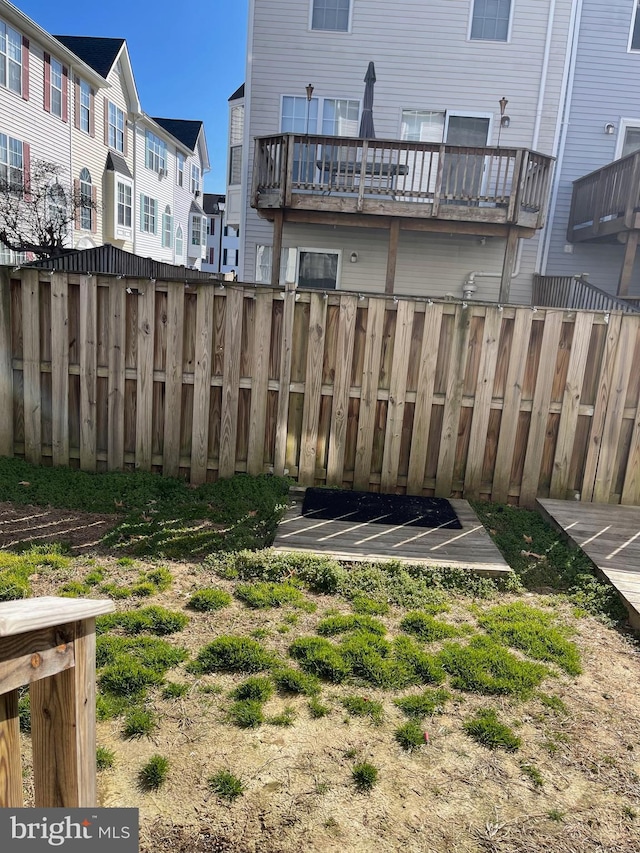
(469, 548)
(610, 535)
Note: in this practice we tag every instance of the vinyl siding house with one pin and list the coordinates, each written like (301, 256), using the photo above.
(450, 195)
(213, 205)
(594, 223)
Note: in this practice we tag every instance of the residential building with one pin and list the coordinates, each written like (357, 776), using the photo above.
(404, 210)
(213, 205)
(73, 100)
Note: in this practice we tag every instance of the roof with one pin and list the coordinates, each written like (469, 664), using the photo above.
(116, 163)
(109, 260)
(183, 130)
(239, 93)
(99, 53)
(210, 202)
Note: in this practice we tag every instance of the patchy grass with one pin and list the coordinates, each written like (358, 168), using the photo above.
(424, 704)
(267, 594)
(318, 709)
(153, 774)
(225, 785)
(362, 706)
(292, 681)
(209, 599)
(364, 776)
(532, 631)
(334, 625)
(364, 604)
(317, 573)
(532, 773)
(139, 722)
(246, 713)
(232, 654)
(175, 690)
(485, 728)
(484, 666)
(410, 735)
(258, 687)
(285, 718)
(426, 627)
(105, 758)
(16, 569)
(153, 620)
(321, 658)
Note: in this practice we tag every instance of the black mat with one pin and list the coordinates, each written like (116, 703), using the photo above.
(380, 509)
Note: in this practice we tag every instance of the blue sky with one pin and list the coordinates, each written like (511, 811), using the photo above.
(187, 58)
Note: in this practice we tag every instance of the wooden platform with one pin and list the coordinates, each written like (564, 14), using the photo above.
(610, 535)
(469, 548)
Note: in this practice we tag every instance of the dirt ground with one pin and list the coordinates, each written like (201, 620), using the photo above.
(82, 531)
(450, 796)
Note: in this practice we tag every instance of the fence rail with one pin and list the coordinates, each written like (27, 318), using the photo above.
(605, 202)
(371, 393)
(501, 184)
(568, 291)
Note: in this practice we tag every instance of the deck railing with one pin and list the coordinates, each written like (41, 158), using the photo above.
(572, 292)
(606, 200)
(514, 179)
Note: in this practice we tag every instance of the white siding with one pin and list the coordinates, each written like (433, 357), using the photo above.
(148, 182)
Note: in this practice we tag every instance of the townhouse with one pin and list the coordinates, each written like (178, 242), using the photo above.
(73, 100)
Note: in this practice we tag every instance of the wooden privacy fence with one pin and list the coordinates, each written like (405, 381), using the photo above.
(338, 389)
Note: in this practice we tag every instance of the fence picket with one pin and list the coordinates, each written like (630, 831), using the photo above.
(230, 383)
(6, 365)
(202, 383)
(59, 370)
(313, 390)
(144, 375)
(31, 366)
(369, 393)
(341, 387)
(173, 379)
(397, 393)
(259, 381)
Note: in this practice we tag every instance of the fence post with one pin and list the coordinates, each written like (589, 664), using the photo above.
(49, 644)
(6, 366)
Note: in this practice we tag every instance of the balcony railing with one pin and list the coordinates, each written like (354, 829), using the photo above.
(606, 202)
(573, 292)
(416, 179)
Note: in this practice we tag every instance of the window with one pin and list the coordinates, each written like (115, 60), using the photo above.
(230, 231)
(124, 211)
(10, 58)
(148, 214)
(330, 15)
(318, 268)
(167, 228)
(212, 256)
(84, 106)
(340, 117)
(263, 264)
(235, 165)
(634, 41)
(196, 231)
(156, 152)
(11, 163)
(86, 200)
(490, 20)
(298, 113)
(180, 169)
(179, 242)
(422, 126)
(195, 179)
(55, 80)
(116, 128)
(211, 229)
(57, 207)
(230, 258)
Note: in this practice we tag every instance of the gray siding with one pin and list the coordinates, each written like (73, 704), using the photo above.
(604, 91)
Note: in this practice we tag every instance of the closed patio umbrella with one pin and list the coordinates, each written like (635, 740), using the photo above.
(367, 130)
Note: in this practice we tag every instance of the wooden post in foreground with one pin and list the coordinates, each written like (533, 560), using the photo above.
(50, 644)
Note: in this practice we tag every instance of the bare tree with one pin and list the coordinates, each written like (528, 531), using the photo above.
(37, 210)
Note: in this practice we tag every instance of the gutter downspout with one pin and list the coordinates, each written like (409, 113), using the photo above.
(246, 148)
(136, 215)
(562, 130)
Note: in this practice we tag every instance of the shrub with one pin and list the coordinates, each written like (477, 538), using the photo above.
(208, 599)
(426, 628)
(486, 729)
(291, 680)
(138, 722)
(341, 624)
(225, 785)
(246, 713)
(482, 666)
(104, 758)
(410, 735)
(531, 630)
(258, 688)
(154, 773)
(320, 657)
(265, 594)
(173, 690)
(232, 654)
(423, 704)
(361, 706)
(364, 776)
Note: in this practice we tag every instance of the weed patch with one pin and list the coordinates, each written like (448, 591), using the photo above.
(426, 627)
(410, 735)
(246, 713)
(285, 718)
(483, 666)
(175, 690)
(139, 722)
(553, 703)
(370, 606)
(232, 654)
(532, 773)
(317, 573)
(423, 704)
(364, 776)
(153, 620)
(258, 687)
(269, 594)
(317, 709)
(321, 658)
(486, 729)
(16, 569)
(225, 785)
(153, 774)
(208, 599)
(334, 625)
(105, 758)
(360, 706)
(292, 681)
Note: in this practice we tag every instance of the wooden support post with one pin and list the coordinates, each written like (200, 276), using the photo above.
(627, 265)
(6, 366)
(392, 254)
(276, 252)
(507, 267)
(50, 644)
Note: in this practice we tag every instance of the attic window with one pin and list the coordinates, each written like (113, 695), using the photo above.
(332, 15)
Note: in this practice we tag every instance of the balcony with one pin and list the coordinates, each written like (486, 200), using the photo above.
(606, 203)
(503, 188)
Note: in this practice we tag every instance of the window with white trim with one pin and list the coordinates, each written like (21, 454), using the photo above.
(180, 169)
(156, 152)
(340, 117)
(167, 228)
(298, 114)
(196, 231)
(264, 255)
(56, 82)
(148, 214)
(179, 242)
(195, 179)
(330, 116)
(116, 128)
(422, 126)
(634, 36)
(330, 15)
(319, 268)
(84, 106)
(86, 200)
(230, 257)
(490, 20)
(236, 125)
(57, 206)
(11, 163)
(235, 165)
(124, 213)
(10, 58)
